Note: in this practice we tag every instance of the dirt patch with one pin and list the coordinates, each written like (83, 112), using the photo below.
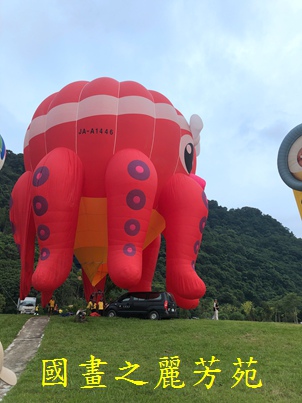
(23, 348)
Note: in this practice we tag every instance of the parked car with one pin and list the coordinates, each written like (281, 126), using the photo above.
(153, 305)
(27, 305)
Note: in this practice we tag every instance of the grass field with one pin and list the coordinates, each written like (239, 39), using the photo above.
(122, 343)
(10, 325)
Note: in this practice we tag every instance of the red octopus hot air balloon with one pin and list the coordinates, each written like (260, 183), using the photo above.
(109, 167)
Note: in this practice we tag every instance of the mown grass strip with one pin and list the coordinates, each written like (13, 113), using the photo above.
(10, 325)
(275, 346)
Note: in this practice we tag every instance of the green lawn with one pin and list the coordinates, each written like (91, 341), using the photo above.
(10, 325)
(276, 348)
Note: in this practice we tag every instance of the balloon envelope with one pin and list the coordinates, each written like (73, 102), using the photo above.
(110, 166)
(2, 152)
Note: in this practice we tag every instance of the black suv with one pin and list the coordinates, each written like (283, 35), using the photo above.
(152, 305)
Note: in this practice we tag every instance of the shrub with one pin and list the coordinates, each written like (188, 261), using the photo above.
(237, 316)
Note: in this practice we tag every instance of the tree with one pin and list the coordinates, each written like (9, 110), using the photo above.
(248, 309)
(290, 304)
(286, 309)
(2, 302)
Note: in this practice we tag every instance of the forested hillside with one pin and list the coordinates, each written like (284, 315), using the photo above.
(248, 260)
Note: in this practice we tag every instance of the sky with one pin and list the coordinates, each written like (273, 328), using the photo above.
(237, 64)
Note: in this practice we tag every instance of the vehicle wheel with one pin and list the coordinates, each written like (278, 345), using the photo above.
(153, 315)
(111, 313)
(289, 158)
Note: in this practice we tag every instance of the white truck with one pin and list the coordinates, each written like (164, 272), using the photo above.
(27, 305)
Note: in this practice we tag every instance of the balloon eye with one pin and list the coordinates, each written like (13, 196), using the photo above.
(295, 158)
(186, 152)
(189, 157)
(299, 157)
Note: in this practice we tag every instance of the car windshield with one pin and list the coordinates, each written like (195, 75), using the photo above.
(135, 298)
(124, 299)
(154, 296)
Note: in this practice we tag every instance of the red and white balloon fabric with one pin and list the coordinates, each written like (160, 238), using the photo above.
(110, 166)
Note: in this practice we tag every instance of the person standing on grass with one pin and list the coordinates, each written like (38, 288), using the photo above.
(51, 306)
(90, 305)
(101, 307)
(215, 309)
